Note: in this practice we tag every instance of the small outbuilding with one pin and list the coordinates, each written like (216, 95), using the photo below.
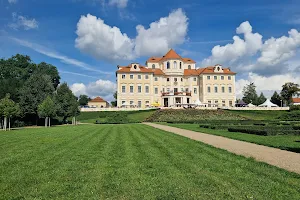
(296, 101)
(98, 102)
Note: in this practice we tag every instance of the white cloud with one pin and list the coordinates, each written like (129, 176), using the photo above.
(118, 3)
(12, 1)
(231, 52)
(108, 43)
(52, 54)
(264, 84)
(102, 41)
(102, 88)
(162, 35)
(22, 22)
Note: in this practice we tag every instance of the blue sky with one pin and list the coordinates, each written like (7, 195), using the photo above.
(86, 52)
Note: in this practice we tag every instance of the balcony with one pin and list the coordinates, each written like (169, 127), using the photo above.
(176, 94)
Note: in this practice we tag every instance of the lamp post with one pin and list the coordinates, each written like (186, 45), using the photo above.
(281, 102)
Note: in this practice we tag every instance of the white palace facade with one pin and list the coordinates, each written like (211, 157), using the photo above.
(172, 80)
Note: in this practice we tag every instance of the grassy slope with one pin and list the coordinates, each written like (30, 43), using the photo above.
(258, 114)
(130, 162)
(286, 142)
(91, 117)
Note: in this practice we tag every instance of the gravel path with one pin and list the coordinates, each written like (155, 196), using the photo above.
(280, 158)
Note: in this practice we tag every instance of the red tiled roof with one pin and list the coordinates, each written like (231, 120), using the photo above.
(210, 70)
(188, 60)
(154, 59)
(97, 99)
(296, 100)
(126, 69)
(170, 55)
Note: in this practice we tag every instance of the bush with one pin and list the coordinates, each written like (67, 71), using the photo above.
(249, 131)
(294, 107)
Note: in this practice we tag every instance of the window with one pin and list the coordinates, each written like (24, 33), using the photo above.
(168, 89)
(155, 79)
(139, 89)
(180, 65)
(209, 103)
(139, 104)
(175, 79)
(123, 102)
(168, 79)
(223, 89)
(175, 65)
(222, 78)
(208, 89)
(134, 66)
(153, 66)
(215, 77)
(223, 103)
(147, 103)
(123, 76)
(123, 88)
(181, 79)
(189, 67)
(156, 90)
(146, 76)
(216, 89)
(131, 102)
(208, 77)
(230, 103)
(182, 90)
(195, 90)
(168, 65)
(229, 77)
(163, 89)
(186, 89)
(147, 89)
(131, 76)
(139, 76)
(216, 102)
(131, 89)
(229, 89)
(195, 79)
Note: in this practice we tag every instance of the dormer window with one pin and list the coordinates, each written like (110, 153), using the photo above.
(134, 66)
(153, 66)
(180, 65)
(189, 67)
(168, 65)
(175, 65)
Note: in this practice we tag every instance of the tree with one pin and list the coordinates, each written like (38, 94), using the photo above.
(261, 99)
(34, 92)
(250, 95)
(115, 103)
(50, 70)
(66, 101)
(8, 109)
(47, 110)
(288, 91)
(83, 100)
(276, 99)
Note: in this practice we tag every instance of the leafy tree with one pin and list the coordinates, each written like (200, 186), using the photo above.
(47, 110)
(66, 101)
(83, 100)
(250, 95)
(8, 109)
(115, 103)
(33, 93)
(276, 99)
(261, 99)
(50, 70)
(288, 91)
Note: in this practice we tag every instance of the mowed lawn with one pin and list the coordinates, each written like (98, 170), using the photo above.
(285, 142)
(130, 162)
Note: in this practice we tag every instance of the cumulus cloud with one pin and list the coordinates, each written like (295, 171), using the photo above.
(118, 3)
(240, 48)
(264, 84)
(12, 1)
(108, 43)
(162, 34)
(23, 22)
(102, 88)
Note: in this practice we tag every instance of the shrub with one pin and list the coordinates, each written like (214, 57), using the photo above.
(249, 131)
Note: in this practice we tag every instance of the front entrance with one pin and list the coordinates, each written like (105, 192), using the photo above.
(166, 102)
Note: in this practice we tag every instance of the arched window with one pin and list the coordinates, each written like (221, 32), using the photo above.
(189, 67)
(175, 65)
(168, 65)
(180, 65)
(134, 66)
(153, 66)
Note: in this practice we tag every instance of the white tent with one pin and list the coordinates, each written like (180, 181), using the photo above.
(268, 104)
(125, 104)
(198, 103)
(251, 105)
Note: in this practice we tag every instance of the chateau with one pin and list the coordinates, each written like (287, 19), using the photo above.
(172, 80)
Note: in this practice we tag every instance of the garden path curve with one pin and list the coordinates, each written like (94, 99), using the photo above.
(277, 157)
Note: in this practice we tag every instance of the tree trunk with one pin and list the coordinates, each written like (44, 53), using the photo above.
(49, 121)
(5, 123)
(46, 119)
(9, 123)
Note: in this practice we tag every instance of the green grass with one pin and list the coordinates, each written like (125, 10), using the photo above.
(130, 162)
(92, 117)
(258, 114)
(285, 142)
